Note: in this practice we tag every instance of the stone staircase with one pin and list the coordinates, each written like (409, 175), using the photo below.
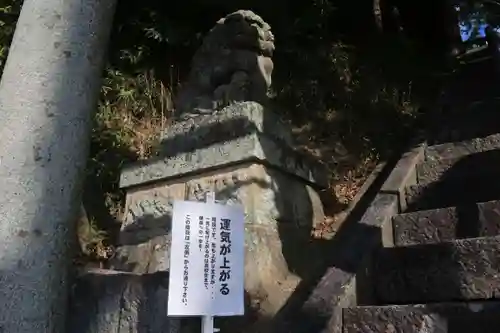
(441, 270)
(423, 257)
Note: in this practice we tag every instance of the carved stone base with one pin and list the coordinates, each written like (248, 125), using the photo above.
(106, 301)
(280, 212)
(252, 165)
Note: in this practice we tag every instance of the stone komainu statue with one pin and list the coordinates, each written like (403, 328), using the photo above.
(233, 64)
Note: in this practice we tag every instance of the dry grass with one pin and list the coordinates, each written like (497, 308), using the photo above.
(133, 111)
(351, 157)
(137, 108)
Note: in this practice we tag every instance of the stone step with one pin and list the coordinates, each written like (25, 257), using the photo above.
(463, 148)
(478, 120)
(111, 301)
(477, 317)
(484, 163)
(446, 224)
(465, 269)
(452, 192)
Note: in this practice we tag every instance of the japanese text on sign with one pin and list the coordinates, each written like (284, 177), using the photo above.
(206, 260)
(185, 272)
(225, 250)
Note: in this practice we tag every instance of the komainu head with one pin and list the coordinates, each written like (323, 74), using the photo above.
(232, 65)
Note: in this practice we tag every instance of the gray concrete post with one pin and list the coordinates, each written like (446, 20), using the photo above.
(49, 89)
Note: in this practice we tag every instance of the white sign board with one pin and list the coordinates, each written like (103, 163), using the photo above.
(206, 260)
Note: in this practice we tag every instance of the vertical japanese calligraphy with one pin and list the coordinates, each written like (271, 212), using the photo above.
(187, 239)
(225, 249)
(206, 260)
(200, 232)
(213, 258)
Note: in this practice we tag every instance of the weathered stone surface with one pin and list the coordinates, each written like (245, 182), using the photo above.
(467, 269)
(463, 148)
(403, 175)
(249, 148)
(106, 301)
(484, 163)
(322, 311)
(452, 192)
(432, 318)
(346, 280)
(280, 212)
(236, 120)
(233, 64)
(446, 224)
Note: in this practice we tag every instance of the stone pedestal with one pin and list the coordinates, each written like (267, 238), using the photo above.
(244, 154)
(106, 301)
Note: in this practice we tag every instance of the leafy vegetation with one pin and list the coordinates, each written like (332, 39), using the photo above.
(9, 12)
(351, 92)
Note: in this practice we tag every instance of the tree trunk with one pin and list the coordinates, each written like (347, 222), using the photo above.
(48, 92)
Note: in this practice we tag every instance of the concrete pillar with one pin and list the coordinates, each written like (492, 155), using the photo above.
(48, 92)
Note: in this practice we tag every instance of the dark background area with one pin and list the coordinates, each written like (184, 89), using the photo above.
(353, 78)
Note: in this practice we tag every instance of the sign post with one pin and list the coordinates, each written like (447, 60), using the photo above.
(206, 261)
(207, 322)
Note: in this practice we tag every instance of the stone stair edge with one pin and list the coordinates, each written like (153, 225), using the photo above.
(473, 305)
(443, 224)
(447, 193)
(463, 148)
(417, 317)
(432, 170)
(404, 174)
(336, 288)
(426, 211)
(462, 269)
(452, 242)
